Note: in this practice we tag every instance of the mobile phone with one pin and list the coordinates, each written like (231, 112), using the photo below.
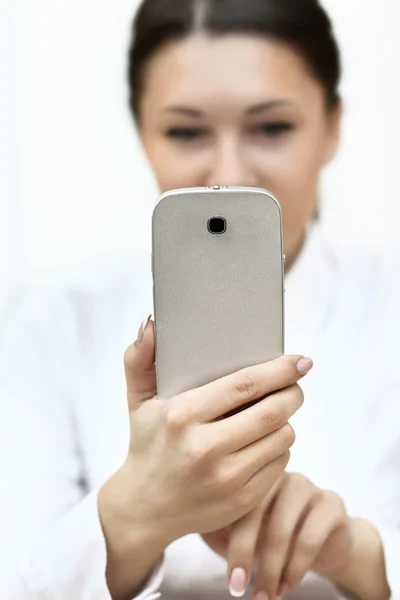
(218, 274)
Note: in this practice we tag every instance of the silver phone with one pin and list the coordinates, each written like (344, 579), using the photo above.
(218, 272)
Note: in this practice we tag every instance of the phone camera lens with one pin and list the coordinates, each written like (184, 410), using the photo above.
(217, 225)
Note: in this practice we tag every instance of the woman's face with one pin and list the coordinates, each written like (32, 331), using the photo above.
(239, 110)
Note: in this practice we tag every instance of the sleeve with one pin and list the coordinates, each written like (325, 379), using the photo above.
(52, 545)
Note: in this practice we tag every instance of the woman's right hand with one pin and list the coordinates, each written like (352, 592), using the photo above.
(188, 470)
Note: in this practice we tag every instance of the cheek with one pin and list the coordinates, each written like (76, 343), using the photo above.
(291, 171)
(294, 166)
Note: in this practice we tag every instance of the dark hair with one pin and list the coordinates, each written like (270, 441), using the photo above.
(303, 24)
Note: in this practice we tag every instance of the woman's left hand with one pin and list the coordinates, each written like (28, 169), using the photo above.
(300, 528)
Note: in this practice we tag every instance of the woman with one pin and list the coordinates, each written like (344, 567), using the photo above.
(236, 93)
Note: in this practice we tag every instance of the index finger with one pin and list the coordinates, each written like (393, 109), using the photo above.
(220, 397)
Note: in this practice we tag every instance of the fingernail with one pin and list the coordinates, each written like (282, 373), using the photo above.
(142, 329)
(283, 590)
(238, 583)
(261, 596)
(304, 366)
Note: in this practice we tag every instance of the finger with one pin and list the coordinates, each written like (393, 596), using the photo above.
(242, 465)
(242, 546)
(241, 551)
(140, 371)
(288, 509)
(224, 395)
(258, 421)
(261, 484)
(254, 457)
(326, 517)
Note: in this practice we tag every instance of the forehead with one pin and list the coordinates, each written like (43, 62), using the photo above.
(232, 69)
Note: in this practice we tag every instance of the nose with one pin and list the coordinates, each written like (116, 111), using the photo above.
(230, 166)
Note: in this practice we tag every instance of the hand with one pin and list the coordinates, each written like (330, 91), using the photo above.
(303, 528)
(187, 469)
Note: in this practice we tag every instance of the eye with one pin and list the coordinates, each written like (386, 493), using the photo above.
(185, 134)
(275, 129)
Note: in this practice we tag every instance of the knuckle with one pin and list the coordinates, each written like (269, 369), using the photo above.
(174, 416)
(245, 500)
(283, 461)
(196, 452)
(286, 458)
(334, 500)
(287, 436)
(298, 480)
(226, 479)
(245, 388)
(129, 357)
(273, 416)
(327, 496)
(297, 394)
(331, 497)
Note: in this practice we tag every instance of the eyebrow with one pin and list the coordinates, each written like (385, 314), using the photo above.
(253, 110)
(268, 106)
(184, 110)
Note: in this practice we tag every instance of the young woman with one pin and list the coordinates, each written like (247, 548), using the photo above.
(232, 92)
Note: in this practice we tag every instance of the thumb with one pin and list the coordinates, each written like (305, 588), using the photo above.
(241, 552)
(140, 369)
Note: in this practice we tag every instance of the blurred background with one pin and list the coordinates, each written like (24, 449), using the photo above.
(75, 191)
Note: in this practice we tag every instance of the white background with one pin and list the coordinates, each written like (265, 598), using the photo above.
(75, 191)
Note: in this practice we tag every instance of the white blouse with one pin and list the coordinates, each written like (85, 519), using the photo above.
(64, 426)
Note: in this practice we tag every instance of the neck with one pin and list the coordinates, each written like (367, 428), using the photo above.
(295, 253)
